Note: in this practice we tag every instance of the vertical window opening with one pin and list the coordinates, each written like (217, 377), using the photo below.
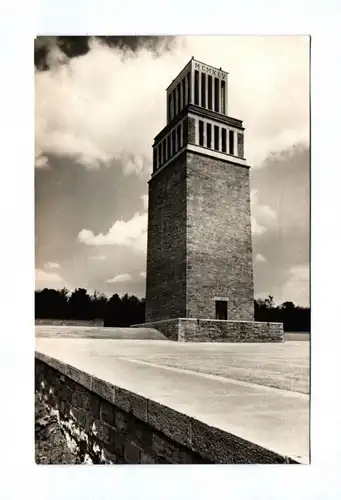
(169, 107)
(173, 104)
(201, 133)
(203, 90)
(178, 137)
(163, 151)
(209, 92)
(231, 142)
(196, 87)
(154, 159)
(216, 94)
(223, 106)
(183, 85)
(169, 145)
(223, 140)
(189, 82)
(159, 155)
(209, 135)
(173, 141)
(216, 137)
(166, 149)
(178, 90)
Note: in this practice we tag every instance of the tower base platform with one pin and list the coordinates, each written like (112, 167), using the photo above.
(214, 330)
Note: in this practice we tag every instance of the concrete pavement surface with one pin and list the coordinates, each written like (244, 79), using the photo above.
(256, 391)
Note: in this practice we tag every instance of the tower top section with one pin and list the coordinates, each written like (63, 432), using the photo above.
(197, 119)
(200, 85)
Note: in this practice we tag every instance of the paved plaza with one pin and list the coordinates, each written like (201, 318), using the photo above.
(256, 391)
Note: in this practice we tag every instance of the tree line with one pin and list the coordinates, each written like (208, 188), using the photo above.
(128, 309)
(294, 318)
(80, 305)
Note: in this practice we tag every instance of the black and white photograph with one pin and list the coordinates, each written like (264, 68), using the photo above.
(172, 249)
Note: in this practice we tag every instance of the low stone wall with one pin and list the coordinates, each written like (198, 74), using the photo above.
(69, 322)
(110, 425)
(210, 330)
(206, 330)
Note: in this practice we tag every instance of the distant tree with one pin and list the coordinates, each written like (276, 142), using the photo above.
(80, 304)
(269, 302)
(98, 305)
(125, 311)
(113, 311)
(52, 304)
(288, 306)
(294, 318)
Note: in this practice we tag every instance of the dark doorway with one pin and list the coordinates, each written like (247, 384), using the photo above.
(221, 309)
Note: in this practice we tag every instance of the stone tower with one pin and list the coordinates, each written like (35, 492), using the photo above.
(199, 255)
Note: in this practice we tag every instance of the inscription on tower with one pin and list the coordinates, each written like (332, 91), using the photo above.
(210, 71)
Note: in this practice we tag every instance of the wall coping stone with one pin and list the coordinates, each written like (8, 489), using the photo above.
(187, 431)
(231, 321)
(209, 319)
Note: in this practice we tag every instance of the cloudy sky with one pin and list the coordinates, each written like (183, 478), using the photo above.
(99, 104)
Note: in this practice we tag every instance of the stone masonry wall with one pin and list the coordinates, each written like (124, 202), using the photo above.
(210, 330)
(69, 322)
(103, 432)
(166, 249)
(199, 240)
(105, 424)
(219, 244)
(191, 330)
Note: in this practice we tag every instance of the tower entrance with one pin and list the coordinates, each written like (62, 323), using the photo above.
(221, 309)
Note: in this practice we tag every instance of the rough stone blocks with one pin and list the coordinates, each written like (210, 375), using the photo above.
(199, 239)
(110, 432)
(210, 330)
(218, 237)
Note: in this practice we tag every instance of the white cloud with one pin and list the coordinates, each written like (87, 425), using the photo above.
(260, 258)
(52, 265)
(265, 212)
(296, 289)
(131, 233)
(143, 274)
(120, 278)
(257, 228)
(144, 199)
(263, 217)
(102, 106)
(42, 275)
(133, 164)
(45, 279)
(41, 161)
